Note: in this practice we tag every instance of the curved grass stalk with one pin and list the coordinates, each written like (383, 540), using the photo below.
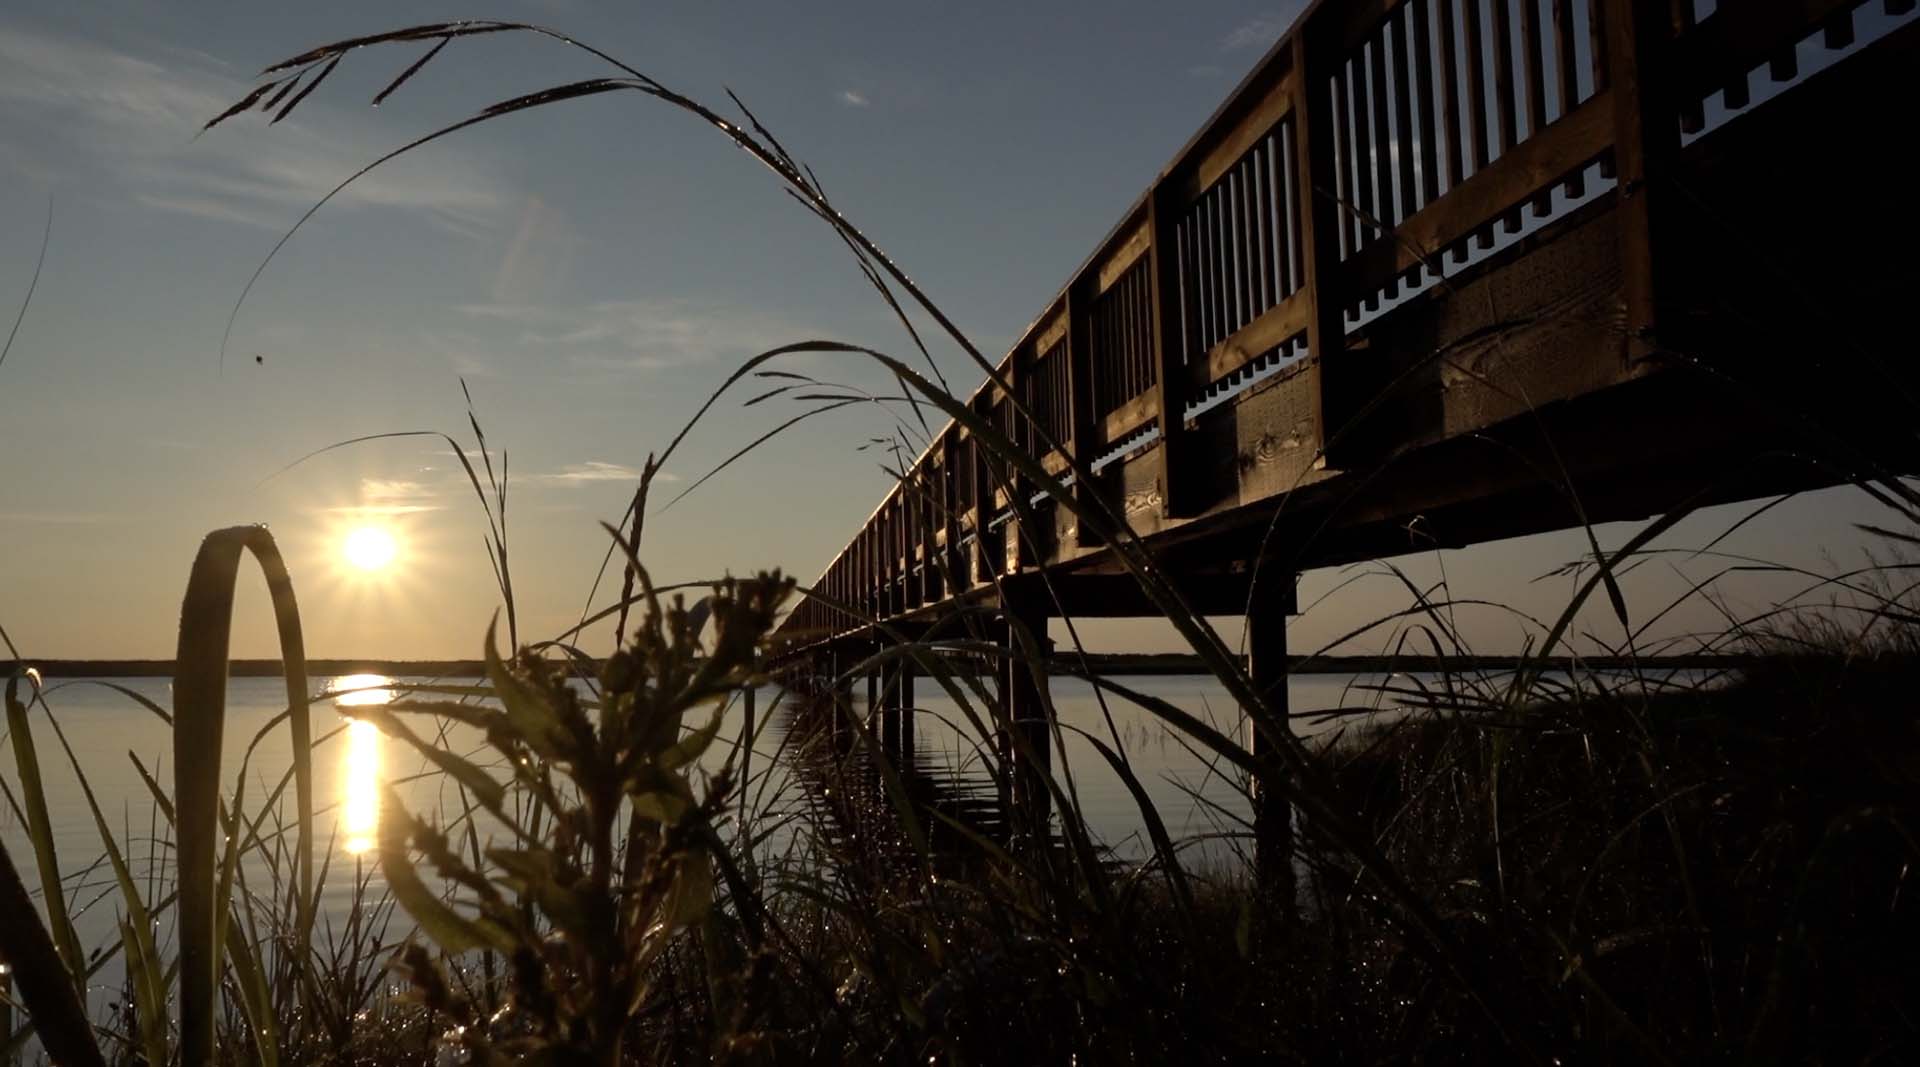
(199, 714)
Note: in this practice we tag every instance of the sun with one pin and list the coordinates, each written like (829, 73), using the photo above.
(370, 548)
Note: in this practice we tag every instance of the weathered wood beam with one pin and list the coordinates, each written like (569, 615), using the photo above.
(1646, 141)
(1267, 664)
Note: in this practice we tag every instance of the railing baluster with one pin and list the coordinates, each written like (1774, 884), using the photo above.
(1168, 364)
(950, 486)
(1294, 188)
(1316, 215)
(1279, 208)
(1363, 168)
(1382, 143)
(1343, 149)
(929, 543)
(1533, 66)
(1423, 85)
(1221, 227)
(1567, 65)
(1273, 286)
(1476, 100)
(1203, 277)
(1104, 364)
(982, 509)
(1254, 282)
(1404, 148)
(1450, 107)
(1506, 124)
(1602, 68)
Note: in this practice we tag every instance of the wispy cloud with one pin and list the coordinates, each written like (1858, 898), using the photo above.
(854, 98)
(593, 472)
(385, 497)
(1261, 30)
(641, 335)
(83, 106)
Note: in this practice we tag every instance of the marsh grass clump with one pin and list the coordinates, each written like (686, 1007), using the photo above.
(1718, 869)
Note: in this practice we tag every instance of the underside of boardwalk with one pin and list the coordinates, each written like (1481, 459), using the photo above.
(1439, 273)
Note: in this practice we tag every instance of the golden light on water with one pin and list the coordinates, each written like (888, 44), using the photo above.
(360, 763)
(370, 548)
(360, 786)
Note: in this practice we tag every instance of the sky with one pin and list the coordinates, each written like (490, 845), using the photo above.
(592, 272)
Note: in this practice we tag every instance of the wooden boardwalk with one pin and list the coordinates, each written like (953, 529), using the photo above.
(1439, 272)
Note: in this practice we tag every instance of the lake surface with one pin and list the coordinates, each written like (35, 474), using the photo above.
(1201, 801)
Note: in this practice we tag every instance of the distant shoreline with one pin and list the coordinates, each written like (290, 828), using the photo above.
(1065, 664)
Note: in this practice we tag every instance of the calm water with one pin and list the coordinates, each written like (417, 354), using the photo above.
(106, 730)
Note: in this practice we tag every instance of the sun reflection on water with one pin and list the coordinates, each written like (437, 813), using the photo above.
(360, 764)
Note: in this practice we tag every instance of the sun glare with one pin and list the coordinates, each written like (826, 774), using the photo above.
(370, 548)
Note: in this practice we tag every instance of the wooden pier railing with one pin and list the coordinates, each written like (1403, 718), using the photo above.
(1378, 149)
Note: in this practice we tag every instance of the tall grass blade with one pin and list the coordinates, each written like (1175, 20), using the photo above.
(27, 301)
(149, 984)
(256, 1001)
(411, 70)
(40, 833)
(199, 722)
(45, 984)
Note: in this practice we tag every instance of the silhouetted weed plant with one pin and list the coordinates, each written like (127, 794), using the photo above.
(611, 855)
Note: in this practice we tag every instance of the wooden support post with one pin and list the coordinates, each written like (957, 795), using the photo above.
(1083, 430)
(906, 715)
(840, 662)
(889, 709)
(1027, 715)
(880, 716)
(1169, 349)
(1646, 142)
(1315, 181)
(1267, 666)
(900, 746)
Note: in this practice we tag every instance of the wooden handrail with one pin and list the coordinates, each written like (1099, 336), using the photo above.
(1373, 139)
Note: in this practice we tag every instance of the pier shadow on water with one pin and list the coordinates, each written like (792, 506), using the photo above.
(842, 757)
